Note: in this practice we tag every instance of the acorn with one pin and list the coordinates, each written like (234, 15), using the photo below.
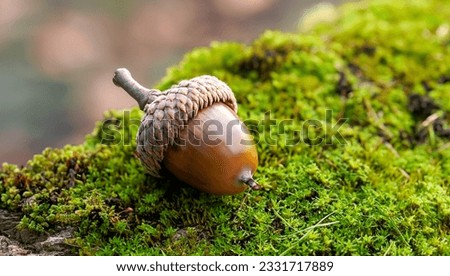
(192, 131)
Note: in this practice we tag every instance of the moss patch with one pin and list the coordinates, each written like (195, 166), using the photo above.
(370, 177)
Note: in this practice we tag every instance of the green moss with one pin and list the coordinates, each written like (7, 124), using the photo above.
(376, 183)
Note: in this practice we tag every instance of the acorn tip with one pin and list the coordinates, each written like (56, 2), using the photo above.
(252, 184)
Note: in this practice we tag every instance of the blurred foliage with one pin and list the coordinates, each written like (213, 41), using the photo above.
(382, 191)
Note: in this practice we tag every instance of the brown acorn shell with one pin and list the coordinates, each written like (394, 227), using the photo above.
(193, 131)
(214, 152)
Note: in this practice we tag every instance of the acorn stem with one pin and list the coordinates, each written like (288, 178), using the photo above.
(251, 183)
(122, 78)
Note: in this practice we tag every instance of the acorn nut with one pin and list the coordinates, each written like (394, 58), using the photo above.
(192, 130)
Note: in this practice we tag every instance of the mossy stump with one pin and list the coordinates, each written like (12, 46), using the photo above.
(351, 120)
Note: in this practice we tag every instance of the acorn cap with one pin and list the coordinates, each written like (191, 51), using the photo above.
(168, 112)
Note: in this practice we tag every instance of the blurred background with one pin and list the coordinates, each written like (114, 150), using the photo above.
(57, 57)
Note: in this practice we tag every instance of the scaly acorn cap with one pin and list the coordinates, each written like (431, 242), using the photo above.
(169, 112)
